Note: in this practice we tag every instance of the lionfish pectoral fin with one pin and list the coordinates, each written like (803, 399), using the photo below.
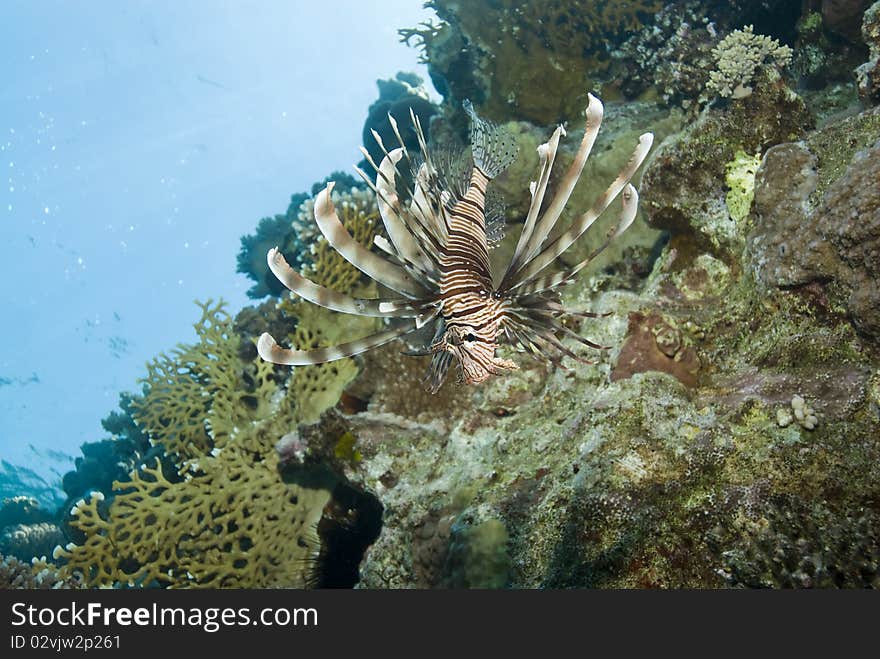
(437, 371)
(417, 352)
(500, 365)
(270, 351)
(373, 265)
(493, 148)
(330, 299)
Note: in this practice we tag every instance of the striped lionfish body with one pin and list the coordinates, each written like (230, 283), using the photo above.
(436, 256)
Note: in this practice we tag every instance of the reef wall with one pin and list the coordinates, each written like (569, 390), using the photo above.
(728, 438)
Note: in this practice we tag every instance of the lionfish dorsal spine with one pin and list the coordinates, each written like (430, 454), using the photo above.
(492, 147)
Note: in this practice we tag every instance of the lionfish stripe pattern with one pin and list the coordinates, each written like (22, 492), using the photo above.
(436, 255)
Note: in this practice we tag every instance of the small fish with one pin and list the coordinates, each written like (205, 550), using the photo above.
(436, 256)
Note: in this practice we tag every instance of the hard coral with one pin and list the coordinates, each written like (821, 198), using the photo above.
(271, 232)
(739, 56)
(322, 264)
(182, 386)
(398, 97)
(27, 541)
(684, 184)
(16, 574)
(868, 74)
(222, 517)
(232, 523)
(319, 387)
(504, 55)
(672, 56)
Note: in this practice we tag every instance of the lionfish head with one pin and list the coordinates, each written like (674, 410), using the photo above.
(475, 356)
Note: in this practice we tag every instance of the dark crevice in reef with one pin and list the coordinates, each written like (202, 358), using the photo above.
(351, 522)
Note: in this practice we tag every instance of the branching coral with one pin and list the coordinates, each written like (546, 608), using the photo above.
(739, 56)
(231, 521)
(181, 386)
(16, 574)
(673, 55)
(26, 541)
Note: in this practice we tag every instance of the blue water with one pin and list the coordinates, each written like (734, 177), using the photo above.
(138, 142)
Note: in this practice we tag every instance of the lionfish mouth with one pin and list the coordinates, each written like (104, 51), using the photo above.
(435, 255)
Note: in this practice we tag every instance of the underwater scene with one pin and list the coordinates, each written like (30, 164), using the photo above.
(464, 295)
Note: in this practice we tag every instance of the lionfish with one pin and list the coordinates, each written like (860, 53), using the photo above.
(436, 255)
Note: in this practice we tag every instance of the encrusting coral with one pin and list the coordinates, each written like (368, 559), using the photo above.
(741, 183)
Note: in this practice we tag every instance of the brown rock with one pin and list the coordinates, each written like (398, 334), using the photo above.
(652, 344)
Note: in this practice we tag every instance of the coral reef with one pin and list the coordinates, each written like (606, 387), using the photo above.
(868, 74)
(222, 517)
(684, 184)
(673, 56)
(22, 510)
(821, 228)
(26, 541)
(111, 459)
(276, 231)
(321, 263)
(730, 436)
(319, 387)
(398, 97)
(503, 56)
(26, 529)
(844, 17)
(15, 574)
(739, 57)
(634, 483)
(18, 480)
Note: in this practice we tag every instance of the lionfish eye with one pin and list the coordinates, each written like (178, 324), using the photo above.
(470, 338)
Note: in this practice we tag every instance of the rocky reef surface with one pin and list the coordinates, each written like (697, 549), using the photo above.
(729, 437)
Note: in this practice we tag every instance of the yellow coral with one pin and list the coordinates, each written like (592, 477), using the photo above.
(234, 524)
(740, 180)
(231, 521)
(195, 396)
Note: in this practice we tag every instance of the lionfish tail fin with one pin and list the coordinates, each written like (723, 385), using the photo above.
(492, 147)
